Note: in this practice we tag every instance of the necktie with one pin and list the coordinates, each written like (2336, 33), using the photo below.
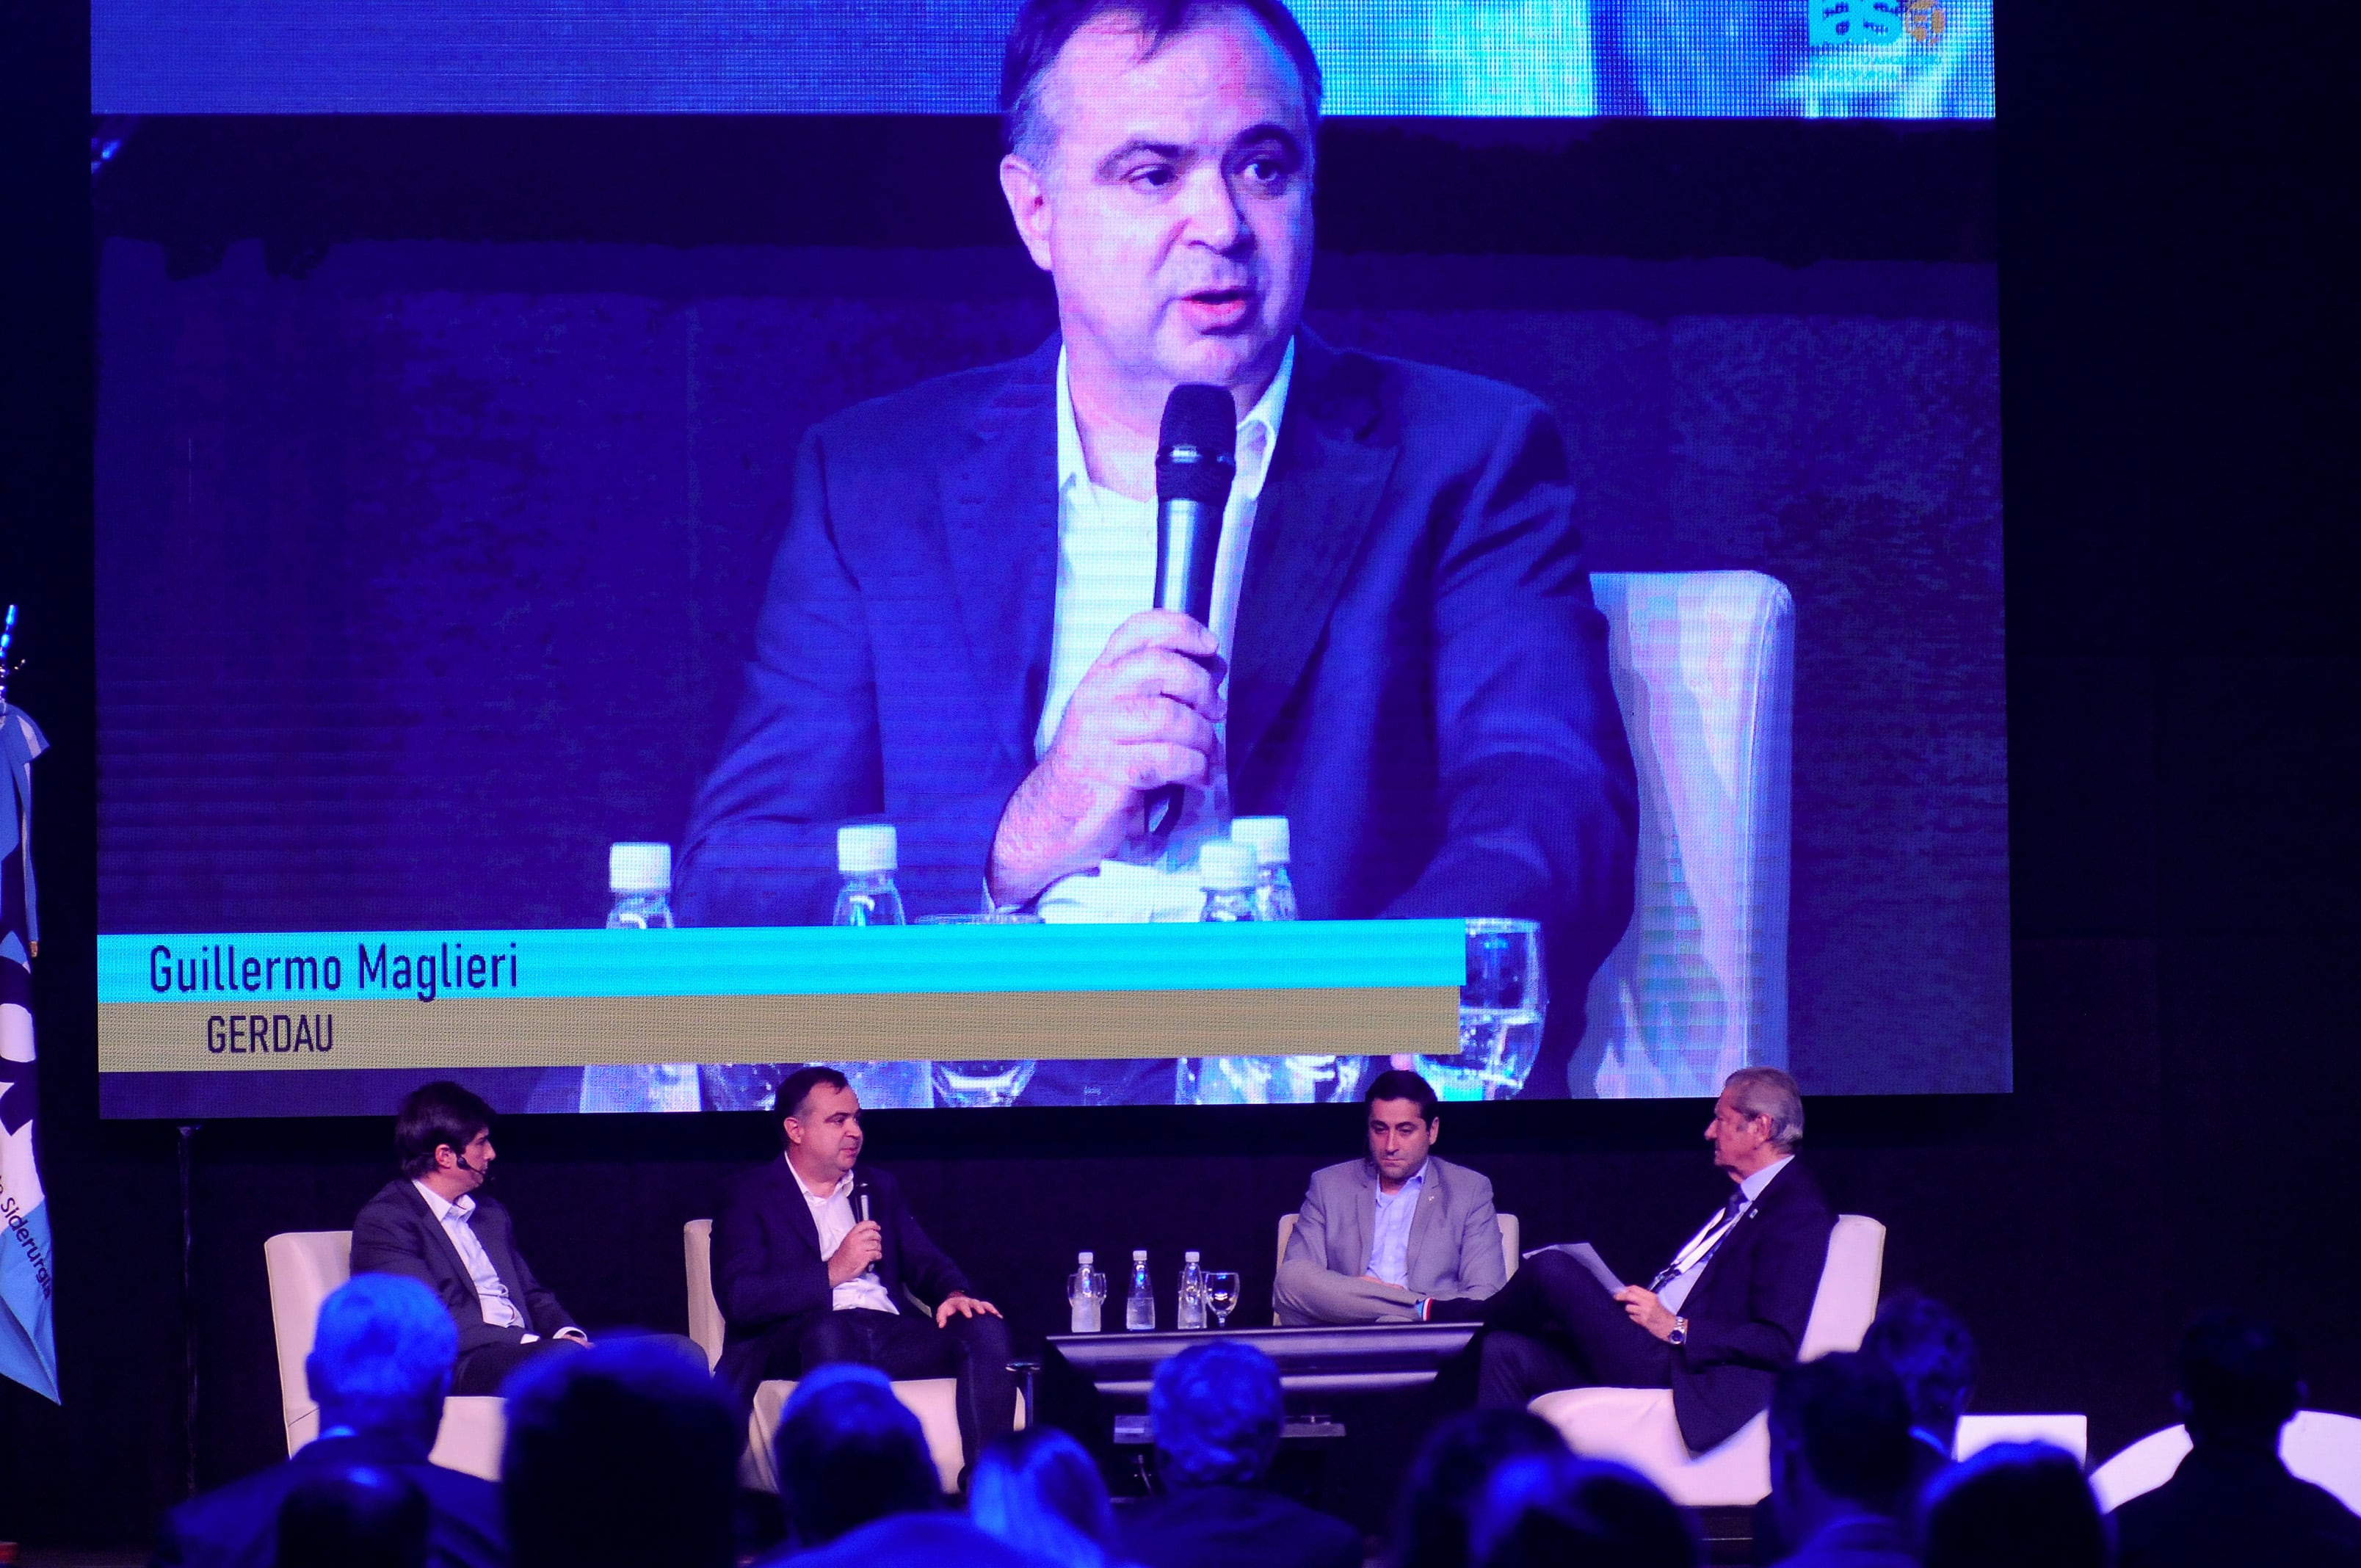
(1695, 1255)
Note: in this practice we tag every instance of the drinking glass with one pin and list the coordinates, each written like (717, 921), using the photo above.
(979, 1082)
(1221, 1295)
(1501, 1005)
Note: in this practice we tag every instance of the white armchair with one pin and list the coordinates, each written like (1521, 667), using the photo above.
(305, 1268)
(1637, 1427)
(934, 1400)
(2317, 1446)
(1704, 670)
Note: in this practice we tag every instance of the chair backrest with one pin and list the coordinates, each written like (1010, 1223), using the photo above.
(704, 1309)
(1704, 670)
(2072, 1433)
(1512, 1236)
(305, 1268)
(1847, 1300)
(2318, 1446)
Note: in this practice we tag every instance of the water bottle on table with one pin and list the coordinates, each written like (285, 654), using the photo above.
(1139, 1306)
(639, 898)
(1226, 870)
(1189, 1312)
(1274, 893)
(1086, 1288)
(867, 854)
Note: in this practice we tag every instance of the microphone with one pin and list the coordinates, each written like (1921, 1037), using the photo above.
(1196, 459)
(484, 1176)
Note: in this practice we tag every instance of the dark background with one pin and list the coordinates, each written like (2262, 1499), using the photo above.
(2182, 677)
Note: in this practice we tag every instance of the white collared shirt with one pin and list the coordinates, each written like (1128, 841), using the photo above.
(1676, 1291)
(832, 1215)
(1106, 574)
(1389, 1247)
(491, 1292)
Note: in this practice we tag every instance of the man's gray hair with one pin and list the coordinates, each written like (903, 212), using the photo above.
(1767, 1091)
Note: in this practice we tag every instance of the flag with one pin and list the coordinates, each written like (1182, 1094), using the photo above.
(29, 1351)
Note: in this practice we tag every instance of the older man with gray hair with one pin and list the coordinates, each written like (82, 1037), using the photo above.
(1717, 1323)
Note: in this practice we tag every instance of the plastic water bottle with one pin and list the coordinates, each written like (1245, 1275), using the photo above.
(639, 884)
(1085, 1289)
(867, 853)
(1191, 1313)
(1274, 893)
(1139, 1306)
(638, 891)
(1226, 870)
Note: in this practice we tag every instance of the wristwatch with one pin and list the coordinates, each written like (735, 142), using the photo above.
(1680, 1335)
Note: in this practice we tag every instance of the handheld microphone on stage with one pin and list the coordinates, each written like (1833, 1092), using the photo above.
(1196, 459)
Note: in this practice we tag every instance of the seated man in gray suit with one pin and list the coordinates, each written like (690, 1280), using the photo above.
(1381, 1236)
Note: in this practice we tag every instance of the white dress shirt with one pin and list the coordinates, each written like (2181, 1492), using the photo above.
(1389, 1248)
(832, 1214)
(1106, 574)
(1700, 1248)
(491, 1294)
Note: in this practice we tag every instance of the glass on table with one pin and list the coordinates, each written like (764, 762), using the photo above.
(1501, 1004)
(985, 1082)
(1221, 1295)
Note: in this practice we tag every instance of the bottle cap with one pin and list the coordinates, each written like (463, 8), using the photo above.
(1139, 1257)
(1188, 1257)
(1083, 1258)
(1268, 835)
(1225, 866)
(863, 849)
(638, 868)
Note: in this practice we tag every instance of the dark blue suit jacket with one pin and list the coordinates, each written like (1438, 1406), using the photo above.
(1419, 682)
(237, 1527)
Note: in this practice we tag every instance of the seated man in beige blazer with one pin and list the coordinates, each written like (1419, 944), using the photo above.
(1380, 1237)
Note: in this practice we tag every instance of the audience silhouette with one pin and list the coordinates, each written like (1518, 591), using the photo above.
(1551, 1509)
(858, 1486)
(625, 1455)
(1037, 1491)
(2015, 1505)
(2233, 1500)
(1430, 1528)
(360, 1517)
(380, 1363)
(1840, 1462)
(1218, 1419)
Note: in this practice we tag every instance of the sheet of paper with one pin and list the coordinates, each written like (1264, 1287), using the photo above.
(1588, 1256)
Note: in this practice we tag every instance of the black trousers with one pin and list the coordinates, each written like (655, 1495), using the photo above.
(486, 1368)
(1554, 1326)
(900, 1344)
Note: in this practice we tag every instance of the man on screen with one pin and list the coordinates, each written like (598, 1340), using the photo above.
(1403, 656)
(810, 1259)
(1379, 1237)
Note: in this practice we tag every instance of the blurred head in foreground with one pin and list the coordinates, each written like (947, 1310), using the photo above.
(1447, 1478)
(2238, 1382)
(1548, 1511)
(2015, 1505)
(624, 1454)
(1929, 1350)
(1039, 1491)
(380, 1361)
(848, 1452)
(1217, 1414)
(1841, 1443)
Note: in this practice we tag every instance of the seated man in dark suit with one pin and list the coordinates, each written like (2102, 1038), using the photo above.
(2233, 1500)
(1719, 1322)
(1218, 1418)
(380, 1365)
(1379, 1236)
(1401, 655)
(435, 1225)
(1840, 1462)
(811, 1256)
(624, 1456)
